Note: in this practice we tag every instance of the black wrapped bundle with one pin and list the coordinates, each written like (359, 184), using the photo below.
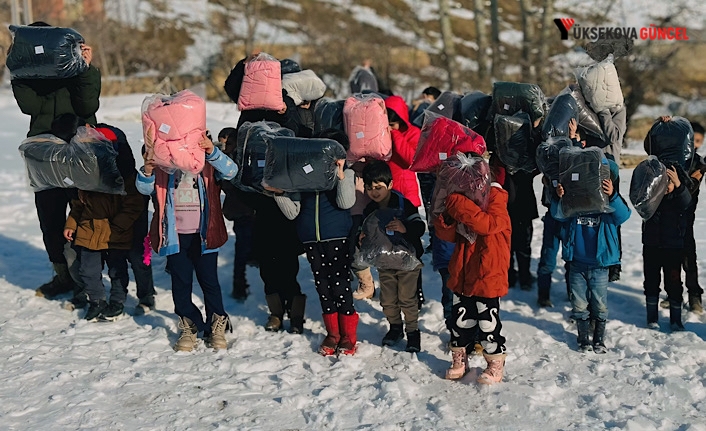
(328, 114)
(448, 105)
(513, 141)
(385, 249)
(87, 163)
(511, 97)
(289, 66)
(563, 109)
(582, 175)
(589, 124)
(250, 153)
(45, 53)
(547, 156)
(648, 185)
(474, 110)
(302, 164)
(671, 141)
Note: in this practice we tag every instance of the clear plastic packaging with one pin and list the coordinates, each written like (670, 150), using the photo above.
(671, 141)
(303, 86)
(547, 156)
(328, 114)
(511, 97)
(474, 109)
(448, 105)
(513, 141)
(262, 84)
(589, 124)
(366, 124)
(469, 176)
(648, 185)
(582, 173)
(45, 53)
(87, 163)
(562, 110)
(302, 164)
(600, 85)
(385, 249)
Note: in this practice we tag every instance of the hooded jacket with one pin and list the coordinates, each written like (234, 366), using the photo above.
(404, 146)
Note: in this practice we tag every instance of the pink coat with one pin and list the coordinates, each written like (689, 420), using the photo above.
(175, 124)
(366, 124)
(262, 86)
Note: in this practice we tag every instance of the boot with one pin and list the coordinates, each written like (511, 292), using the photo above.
(598, 335)
(675, 316)
(61, 283)
(95, 308)
(614, 272)
(494, 372)
(217, 339)
(664, 303)
(394, 335)
(583, 326)
(296, 314)
(366, 285)
(187, 338)
(241, 289)
(652, 311)
(333, 336)
(543, 284)
(112, 312)
(414, 342)
(145, 305)
(274, 303)
(695, 304)
(348, 324)
(459, 363)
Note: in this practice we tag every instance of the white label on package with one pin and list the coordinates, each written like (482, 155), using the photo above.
(506, 107)
(442, 156)
(389, 232)
(308, 169)
(68, 181)
(39, 49)
(260, 163)
(440, 107)
(360, 135)
(555, 183)
(165, 128)
(575, 176)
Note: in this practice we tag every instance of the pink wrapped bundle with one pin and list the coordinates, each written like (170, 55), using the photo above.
(366, 124)
(262, 84)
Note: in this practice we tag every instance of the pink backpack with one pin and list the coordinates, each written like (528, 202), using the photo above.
(262, 85)
(366, 124)
(176, 124)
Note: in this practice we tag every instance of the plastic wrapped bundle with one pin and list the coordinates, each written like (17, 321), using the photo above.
(671, 141)
(302, 164)
(469, 176)
(366, 124)
(474, 109)
(600, 85)
(513, 141)
(441, 138)
(385, 249)
(175, 124)
(328, 114)
(547, 156)
(289, 66)
(250, 153)
(648, 185)
(511, 97)
(448, 104)
(589, 124)
(303, 86)
(87, 163)
(45, 53)
(582, 175)
(262, 84)
(563, 109)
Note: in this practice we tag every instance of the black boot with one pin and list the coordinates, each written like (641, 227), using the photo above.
(583, 327)
(394, 335)
(675, 315)
(274, 303)
(95, 308)
(296, 314)
(652, 303)
(60, 284)
(598, 336)
(414, 340)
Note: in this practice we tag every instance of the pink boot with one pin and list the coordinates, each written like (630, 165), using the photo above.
(494, 372)
(459, 366)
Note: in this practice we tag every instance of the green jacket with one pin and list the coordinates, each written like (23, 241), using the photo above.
(45, 99)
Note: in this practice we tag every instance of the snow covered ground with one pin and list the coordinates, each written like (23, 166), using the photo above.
(59, 372)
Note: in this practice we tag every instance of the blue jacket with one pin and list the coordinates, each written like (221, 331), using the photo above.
(321, 219)
(441, 252)
(608, 247)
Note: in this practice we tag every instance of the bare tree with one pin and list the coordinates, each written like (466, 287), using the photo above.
(482, 40)
(527, 63)
(448, 52)
(495, 40)
(544, 39)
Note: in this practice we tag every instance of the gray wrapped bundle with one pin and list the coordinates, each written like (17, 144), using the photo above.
(250, 152)
(328, 114)
(511, 97)
(563, 109)
(45, 53)
(513, 140)
(385, 249)
(547, 156)
(582, 175)
(648, 185)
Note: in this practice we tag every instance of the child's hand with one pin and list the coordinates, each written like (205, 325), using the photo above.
(397, 226)
(559, 190)
(608, 187)
(665, 118)
(206, 144)
(149, 167)
(573, 125)
(86, 53)
(360, 238)
(673, 176)
(697, 175)
(341, 164)
(69, 234)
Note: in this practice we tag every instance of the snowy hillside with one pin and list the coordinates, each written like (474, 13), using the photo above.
(62, 373)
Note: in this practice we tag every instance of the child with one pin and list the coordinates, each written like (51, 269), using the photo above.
(398, 288)
(478, 278)
(101, 227)
(323, 224)
(188, 228)
(590, 244)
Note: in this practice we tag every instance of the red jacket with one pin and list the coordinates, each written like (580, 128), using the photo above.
(404, 145)
(478, 269)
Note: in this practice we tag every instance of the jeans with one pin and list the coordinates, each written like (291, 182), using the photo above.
(551, 244)
(447, 297)
(91, 272)
(589, 291)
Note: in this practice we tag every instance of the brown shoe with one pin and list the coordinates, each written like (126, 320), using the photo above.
(366, 285)
(187, 338)
(217, 339)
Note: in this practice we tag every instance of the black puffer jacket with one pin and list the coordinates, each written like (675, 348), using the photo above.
(667, 227)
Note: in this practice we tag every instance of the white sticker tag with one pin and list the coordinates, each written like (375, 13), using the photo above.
(68, 181)
(506, 107)
(165, 128)
(389, 232)
(555, 183)
(575, 176)
(39, 49)
(308, 169)
(442, 156)
(260, 163)
(360, 135)
(440, 107)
